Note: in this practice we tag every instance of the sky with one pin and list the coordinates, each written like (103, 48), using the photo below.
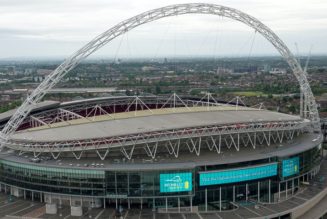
(58, 28)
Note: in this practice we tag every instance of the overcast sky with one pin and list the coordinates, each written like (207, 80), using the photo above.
(44, 28)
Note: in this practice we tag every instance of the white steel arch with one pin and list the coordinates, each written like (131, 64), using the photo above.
(310, 107)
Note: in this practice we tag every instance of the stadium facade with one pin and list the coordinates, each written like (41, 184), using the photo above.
(162, 153)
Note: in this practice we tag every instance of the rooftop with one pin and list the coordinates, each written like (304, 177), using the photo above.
(148, 121)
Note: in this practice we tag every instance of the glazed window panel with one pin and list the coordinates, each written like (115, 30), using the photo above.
(51, 179)
(77, 173)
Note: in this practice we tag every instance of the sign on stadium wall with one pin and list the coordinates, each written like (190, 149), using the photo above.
(175, 182)
(290, 167)
(238, 175)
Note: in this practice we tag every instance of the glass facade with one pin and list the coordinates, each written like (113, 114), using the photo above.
(262, 180)
(56, 180)
(307, 161)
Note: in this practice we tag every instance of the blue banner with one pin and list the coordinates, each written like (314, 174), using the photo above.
(290, 166)
(238, 175)
(175, 182)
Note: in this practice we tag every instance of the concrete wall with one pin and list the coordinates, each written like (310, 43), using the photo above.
(73, 200)
(76, 211)
(51, 208)
(16, 192)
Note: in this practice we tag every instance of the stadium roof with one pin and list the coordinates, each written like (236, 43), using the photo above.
(185, 160)
(150, 123)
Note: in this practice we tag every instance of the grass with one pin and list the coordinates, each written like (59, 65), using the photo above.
(249, 93)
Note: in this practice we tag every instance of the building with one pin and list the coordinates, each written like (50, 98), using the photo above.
(278, 71)
(162, 153)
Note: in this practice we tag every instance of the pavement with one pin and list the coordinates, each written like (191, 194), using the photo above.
(20, 208)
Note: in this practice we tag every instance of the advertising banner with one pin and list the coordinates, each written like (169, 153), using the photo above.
(238, 175)
(290, 166)
(175, 182)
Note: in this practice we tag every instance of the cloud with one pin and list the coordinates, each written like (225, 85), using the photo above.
(62, 22)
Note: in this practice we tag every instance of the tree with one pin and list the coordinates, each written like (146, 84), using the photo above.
(292, 109)
(158, 89)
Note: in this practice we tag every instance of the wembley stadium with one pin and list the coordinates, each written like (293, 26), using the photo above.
(168, 154)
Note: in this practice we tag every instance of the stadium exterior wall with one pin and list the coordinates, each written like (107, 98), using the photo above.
(82, 186)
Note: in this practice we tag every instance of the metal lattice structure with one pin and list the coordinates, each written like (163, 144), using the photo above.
(310, 107)
(216, 137)
(172, 141)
